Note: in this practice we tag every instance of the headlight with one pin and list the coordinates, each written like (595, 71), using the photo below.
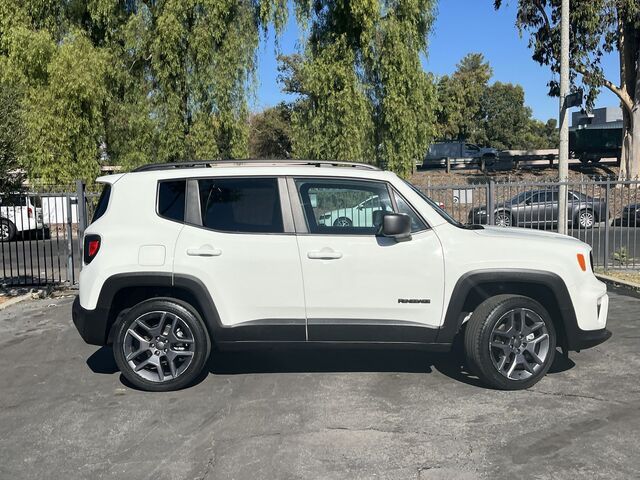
(481, 212)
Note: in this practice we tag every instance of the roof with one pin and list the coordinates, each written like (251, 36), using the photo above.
(234, 168)
(243, 163)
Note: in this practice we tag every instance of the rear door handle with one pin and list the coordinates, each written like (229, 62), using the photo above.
(324, 254)
(204, 251)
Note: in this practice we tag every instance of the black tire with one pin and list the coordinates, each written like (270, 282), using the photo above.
(201, 344)
(8, 230)
(478, 336)
(342, 222)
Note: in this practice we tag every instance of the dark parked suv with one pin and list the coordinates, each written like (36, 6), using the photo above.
(540, 208)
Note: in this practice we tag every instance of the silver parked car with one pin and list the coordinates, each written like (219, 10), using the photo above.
(540, 208)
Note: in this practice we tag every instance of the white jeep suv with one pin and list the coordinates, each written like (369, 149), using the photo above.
(181, 257)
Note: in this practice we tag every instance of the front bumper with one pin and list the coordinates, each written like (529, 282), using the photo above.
(590, 338)
(91, 324)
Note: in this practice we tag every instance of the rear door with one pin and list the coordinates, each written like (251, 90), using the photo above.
(239, 242)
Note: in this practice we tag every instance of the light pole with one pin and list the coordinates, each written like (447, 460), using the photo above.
(563, 157)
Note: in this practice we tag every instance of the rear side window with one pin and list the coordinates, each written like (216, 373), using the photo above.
(246, 205)
(171, 197)
(103, 201)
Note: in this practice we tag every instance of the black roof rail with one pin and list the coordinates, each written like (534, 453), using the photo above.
(237, 163)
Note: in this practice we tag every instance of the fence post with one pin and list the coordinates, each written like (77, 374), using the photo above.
(70, 272)
(82, 215)
(606, 224)
(490, 202)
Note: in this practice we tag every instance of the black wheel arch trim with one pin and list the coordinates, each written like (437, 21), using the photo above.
(571, 338)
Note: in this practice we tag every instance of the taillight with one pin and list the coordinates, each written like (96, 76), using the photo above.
(91, 247)
(30, 212)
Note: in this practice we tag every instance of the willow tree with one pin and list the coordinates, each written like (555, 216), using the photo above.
(364, 95)
(131, 82)
(597, 27)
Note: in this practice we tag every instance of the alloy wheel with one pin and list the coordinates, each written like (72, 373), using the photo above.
(503, 219)
(4, 231)
(586, 219)
(159, 346)
(519, 344)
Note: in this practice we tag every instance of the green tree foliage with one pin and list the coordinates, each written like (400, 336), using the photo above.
(131, 82)
(597, 27)
(460, 97)
(363, 93)
(11, 137)
(270, 133)
(471, 109)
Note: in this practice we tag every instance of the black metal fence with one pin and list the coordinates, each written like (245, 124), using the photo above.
(41, 235)
(604, 213)
(41, 231)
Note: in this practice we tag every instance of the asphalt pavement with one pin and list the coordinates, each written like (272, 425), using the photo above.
(320, 414)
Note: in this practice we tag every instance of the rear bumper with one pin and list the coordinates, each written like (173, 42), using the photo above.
(91, 324)
(590, 338)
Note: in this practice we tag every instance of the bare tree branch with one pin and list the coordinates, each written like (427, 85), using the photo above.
(621, 93)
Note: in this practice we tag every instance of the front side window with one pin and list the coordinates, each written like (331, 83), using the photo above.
(343, 206)
(241, 205)
(171, 197)
(403, 207)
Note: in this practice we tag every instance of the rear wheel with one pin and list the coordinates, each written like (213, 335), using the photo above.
(510, 342)
(7, 230)
(161, 344)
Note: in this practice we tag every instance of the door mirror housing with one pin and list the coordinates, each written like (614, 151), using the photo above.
(396, 226)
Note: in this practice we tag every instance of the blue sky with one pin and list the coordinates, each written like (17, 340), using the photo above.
(461, 27)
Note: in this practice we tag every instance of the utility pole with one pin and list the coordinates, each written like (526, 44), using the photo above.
(563, 158)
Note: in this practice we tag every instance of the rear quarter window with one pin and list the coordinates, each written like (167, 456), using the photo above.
(171, 198)
(103, 202)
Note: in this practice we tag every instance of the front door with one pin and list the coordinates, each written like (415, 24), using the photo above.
(360, 287)
(240, 247)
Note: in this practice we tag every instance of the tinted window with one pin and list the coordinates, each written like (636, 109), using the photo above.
(403, 207)
(103, 201)
(241, 205)
(343, 206)
(171, 195)
(14, 201)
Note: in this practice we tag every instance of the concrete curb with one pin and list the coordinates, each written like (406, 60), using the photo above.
(15, 300)
(621, 286)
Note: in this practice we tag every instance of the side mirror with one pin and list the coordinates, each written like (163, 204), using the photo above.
(396, 226)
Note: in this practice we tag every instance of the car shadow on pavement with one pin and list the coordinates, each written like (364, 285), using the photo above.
(102, 361)
(327, 360)
(339, 360)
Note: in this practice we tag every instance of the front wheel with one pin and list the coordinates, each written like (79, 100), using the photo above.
(503, 219)
(584, 219)
(510, 342)
(343, 222)
(161, 344)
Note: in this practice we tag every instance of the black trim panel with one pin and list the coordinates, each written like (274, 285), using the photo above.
(479, 280)
(364, 330)
(590, 338)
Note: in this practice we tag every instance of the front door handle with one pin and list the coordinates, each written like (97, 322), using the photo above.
(324, 254)
(204, 251)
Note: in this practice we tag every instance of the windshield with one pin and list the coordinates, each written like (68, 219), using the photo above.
(434, 205)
